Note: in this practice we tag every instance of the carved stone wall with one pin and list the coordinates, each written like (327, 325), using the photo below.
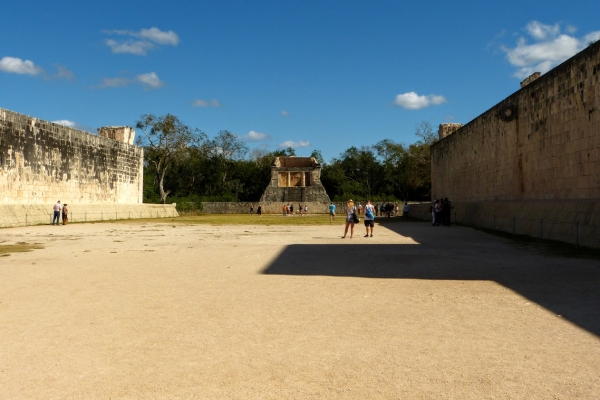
(295, 179)
(41, 162)
(541, 143)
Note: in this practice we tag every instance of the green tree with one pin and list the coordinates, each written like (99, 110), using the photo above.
(166, 140)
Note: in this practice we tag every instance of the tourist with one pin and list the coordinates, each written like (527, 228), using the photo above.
(331, 212)
(447, 212)
(251, 209)
(284, 210)
(369, 218)
(376, 210)
(259, 211)
(300, 209)
(65, 214)
(405, 211)
(57, 208)
(432, 211)
(360, 208)
(382, 209)
(305, 209)
(350, 218)
(396, 210)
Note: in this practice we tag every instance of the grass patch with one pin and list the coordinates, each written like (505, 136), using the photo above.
(21, 247)
(239, 219)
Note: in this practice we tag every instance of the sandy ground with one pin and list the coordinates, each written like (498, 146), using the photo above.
(160, 310)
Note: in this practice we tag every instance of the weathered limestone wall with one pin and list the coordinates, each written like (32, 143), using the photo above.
(574, 221)
(42, 162)
(267, 208)
(541, 143)
(12, 215)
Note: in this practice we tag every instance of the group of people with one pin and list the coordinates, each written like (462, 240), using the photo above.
(441, 212)
(352, 213)
(58, 210)
(288, 209)
(258, 210)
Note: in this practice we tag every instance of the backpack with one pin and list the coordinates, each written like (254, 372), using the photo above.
(369, 213)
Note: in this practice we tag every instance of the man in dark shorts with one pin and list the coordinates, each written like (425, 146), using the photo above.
(369, 217)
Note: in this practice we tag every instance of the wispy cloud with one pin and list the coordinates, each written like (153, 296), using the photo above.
(17, 66)
(413, 101)
(206, 103)
(284, 113)
(142, 41)
(255, 136)
(294, 145)
(150, 79)
(115, 82)
(63, 73)
(72, 124)
(549, 46)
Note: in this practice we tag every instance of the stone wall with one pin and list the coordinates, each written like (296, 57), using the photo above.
(541, 143)
(267, 208)
(12, 215)
(42, 162)
(533, 160)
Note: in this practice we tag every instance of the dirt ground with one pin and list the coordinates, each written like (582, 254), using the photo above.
(163, 310)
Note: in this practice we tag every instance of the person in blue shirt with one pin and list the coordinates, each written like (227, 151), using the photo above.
(331, 212)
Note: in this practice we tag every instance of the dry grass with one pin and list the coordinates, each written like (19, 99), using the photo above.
(246, 219)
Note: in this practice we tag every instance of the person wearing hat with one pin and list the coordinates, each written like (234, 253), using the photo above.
(65, 214)
(350, 215)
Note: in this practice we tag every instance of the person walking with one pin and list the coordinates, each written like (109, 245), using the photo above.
(405, 211)
(369, 217)
(259, 211)
(56, 217)
(331, 212)
(251, 209)
(65, 214)
(350, 218)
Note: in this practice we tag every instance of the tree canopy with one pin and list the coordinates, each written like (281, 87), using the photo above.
(182, 163)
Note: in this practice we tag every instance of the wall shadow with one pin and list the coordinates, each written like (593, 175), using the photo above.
(567, 287)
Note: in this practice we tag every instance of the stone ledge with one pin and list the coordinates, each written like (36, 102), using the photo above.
(13, 215)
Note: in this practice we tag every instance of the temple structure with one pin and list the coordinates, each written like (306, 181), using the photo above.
(295, 180)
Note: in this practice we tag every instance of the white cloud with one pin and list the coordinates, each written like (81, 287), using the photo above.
(285, 113)
(157, 36)
(540, 31)
(145, 40)
(137, 47)
(74, 125)
(294, 145)
(150, 79)
(413, 101)
(206, 103)
(255, 136)
(18, 66)
(549, 47)
(65, 122)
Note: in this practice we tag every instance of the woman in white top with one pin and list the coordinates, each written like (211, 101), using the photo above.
(350, 212)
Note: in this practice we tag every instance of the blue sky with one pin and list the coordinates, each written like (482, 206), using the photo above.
(322, 75)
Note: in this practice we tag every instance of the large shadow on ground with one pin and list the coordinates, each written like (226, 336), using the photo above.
(568, 287)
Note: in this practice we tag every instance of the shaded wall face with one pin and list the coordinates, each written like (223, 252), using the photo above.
(41, 162)
(543, 142)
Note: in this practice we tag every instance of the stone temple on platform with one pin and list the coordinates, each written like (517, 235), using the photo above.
(295, 180)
